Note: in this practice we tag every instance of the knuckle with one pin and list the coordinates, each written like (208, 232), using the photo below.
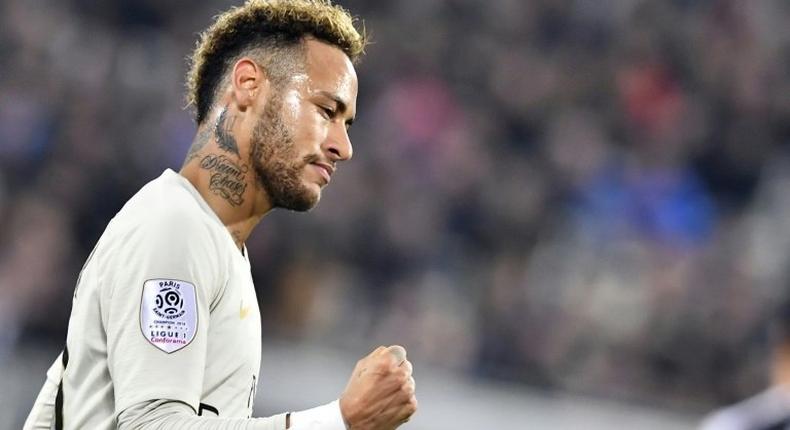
(383, 366)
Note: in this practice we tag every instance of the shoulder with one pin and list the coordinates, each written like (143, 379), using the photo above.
(166, 223)
(165, 233)
(165, 208)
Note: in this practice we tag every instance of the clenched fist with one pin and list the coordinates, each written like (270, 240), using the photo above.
(380, 392)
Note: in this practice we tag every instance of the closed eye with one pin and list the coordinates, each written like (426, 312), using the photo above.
(327, 112)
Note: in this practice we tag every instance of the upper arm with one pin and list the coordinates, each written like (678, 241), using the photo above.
(164, 274)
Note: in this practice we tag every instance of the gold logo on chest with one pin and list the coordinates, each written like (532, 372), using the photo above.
(244, 311)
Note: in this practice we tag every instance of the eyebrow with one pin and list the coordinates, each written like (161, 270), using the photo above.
(342, 106)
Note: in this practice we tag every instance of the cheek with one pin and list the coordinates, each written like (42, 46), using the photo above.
(291, 106)
(309, 130)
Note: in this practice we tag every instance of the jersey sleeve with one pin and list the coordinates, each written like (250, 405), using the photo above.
(160, 282)
(170, 415)
(326, 417)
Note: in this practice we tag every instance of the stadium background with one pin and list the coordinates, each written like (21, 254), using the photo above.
(573, 213)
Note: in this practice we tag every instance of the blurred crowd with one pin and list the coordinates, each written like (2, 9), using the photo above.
(583, 195)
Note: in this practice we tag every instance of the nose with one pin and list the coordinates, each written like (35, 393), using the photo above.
(338, 144)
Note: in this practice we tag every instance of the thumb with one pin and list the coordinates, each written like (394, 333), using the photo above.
(398, 352)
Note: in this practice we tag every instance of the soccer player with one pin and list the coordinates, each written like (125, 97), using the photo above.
(164, 331)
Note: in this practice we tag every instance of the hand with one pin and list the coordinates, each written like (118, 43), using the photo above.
(380, 392)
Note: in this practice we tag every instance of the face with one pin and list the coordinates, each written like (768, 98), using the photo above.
(302, 133)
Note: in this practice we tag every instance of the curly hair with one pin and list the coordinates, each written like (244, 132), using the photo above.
(268, 28)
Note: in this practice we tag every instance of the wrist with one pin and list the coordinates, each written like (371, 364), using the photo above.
(326, 417)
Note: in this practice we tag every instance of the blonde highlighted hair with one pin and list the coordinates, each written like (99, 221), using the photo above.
(271, 27)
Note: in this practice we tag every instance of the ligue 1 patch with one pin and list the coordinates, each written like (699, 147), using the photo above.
(168, 313)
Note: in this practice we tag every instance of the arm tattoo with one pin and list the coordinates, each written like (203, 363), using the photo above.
(225, 139)
(228, 179)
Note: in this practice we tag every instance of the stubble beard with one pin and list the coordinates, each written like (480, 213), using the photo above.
(276, 164)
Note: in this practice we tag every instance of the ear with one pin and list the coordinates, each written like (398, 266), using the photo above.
(249, 81)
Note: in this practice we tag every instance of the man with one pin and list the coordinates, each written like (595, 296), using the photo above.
(165, 328)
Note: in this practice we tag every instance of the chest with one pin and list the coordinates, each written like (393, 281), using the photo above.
(233, 356)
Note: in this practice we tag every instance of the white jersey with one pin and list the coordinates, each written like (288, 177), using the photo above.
(164, 309)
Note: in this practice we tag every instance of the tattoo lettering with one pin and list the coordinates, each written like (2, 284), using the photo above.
(224, 132)
(228, 179)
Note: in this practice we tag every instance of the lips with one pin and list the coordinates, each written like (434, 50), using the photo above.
(325, 170)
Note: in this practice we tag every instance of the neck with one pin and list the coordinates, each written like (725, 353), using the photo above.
(220, 168)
